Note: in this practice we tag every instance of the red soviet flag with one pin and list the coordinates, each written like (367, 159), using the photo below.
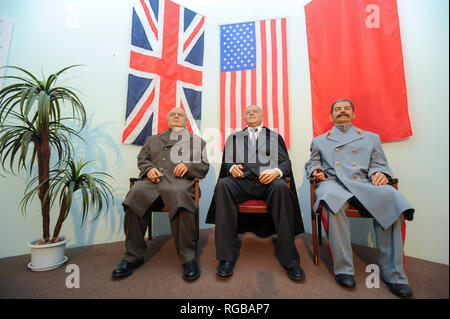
(355, 52)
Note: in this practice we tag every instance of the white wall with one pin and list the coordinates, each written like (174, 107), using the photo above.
(50, 34)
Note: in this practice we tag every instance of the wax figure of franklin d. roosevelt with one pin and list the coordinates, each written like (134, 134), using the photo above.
(254, 162)
(351, 168)
(168, 163)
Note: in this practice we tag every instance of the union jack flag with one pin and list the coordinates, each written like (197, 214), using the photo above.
(166, 67)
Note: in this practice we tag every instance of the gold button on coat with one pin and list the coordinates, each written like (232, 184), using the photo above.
(354, 164)
(354, 150)
(338, 163)
(355, 176)
(337, 149)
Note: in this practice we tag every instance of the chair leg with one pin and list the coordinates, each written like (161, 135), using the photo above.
(197, 237)
(319, 222)
(150, 215)
(314, 235)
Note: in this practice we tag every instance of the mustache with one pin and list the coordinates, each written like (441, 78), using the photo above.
(343, 114)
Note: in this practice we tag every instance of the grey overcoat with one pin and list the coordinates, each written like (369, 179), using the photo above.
(348, 160)
(164, 153)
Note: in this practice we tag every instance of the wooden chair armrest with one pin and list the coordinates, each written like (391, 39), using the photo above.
(197, 190)
(288, 181)
(392, 181)
(134, 180)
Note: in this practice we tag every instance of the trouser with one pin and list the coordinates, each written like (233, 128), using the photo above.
(389, 243)
(183, 230)
(230, 192)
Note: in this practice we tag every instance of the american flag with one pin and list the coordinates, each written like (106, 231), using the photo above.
(166, 67)
(254, 71)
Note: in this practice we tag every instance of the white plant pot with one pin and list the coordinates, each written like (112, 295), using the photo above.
(46, 257)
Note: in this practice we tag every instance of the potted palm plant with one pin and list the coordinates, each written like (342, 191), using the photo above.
(33, 116)
(64, 182)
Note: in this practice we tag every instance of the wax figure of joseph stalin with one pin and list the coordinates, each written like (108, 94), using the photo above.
(351, 167)
(253, 163)
(163, 179)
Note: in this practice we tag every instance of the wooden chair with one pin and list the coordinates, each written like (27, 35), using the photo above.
(258, 206)
(164, 209)
(316, 216)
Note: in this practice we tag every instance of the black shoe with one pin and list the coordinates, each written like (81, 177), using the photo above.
(296, 273)
(225, 268)
(401, 290)
(191, 270)
(347, 281)
(125, 268)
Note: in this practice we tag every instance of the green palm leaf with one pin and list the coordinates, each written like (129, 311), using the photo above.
(32, 113)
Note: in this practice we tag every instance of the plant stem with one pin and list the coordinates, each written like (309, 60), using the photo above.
(60, 219)
(43, 157)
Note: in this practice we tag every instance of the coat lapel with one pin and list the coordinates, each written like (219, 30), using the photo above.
(263, 140)
(166, 141)
(341, 138)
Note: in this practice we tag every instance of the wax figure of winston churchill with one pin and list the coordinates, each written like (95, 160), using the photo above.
(351, 168)
(254, 162)
(168, 164)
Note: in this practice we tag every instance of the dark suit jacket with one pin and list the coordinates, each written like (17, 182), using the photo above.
(175, 192)
(238, 150)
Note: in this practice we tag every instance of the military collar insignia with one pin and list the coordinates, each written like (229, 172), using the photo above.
(335, 135)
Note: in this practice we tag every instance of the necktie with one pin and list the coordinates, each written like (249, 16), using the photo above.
(253, 135)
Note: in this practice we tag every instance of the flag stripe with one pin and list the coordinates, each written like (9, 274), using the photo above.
(269, 76)
(248, 88)
(258, 66)
(194, 34)
(233, 100)
(263, 52)
(273, 34)
(286, 131)
(243, 97)
(253, 85)
(279, 77)
(138, 116)
(238, 98)
(227, 100)
(167, 98)
(149, 18)
(222, 106)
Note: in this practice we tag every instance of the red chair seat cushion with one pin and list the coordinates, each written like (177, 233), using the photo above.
(254, 202)
(253, 206)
